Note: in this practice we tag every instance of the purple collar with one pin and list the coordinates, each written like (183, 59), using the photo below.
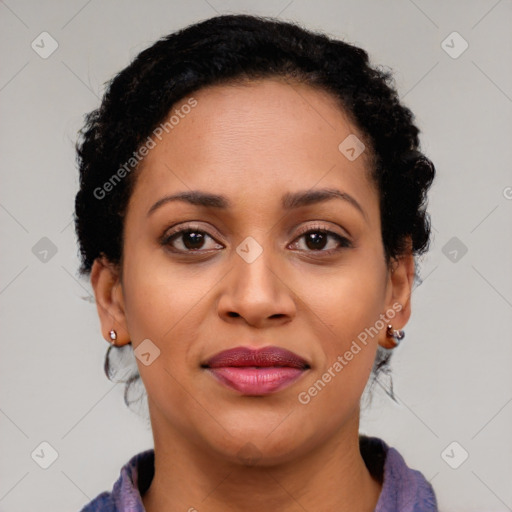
(403, 489)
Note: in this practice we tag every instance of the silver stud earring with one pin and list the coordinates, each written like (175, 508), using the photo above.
(113, 337)
(397, 335)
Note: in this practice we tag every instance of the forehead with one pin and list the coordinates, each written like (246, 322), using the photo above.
(264, 136)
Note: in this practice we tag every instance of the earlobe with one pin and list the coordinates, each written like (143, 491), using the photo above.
(109, 300)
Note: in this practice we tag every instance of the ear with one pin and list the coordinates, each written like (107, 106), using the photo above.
(108, 291)
(399, 289)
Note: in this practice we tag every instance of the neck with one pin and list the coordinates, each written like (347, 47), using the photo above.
(332, 476)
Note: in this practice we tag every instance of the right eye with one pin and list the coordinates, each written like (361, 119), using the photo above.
(191, 239)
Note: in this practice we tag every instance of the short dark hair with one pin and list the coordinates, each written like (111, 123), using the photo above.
(235, 48)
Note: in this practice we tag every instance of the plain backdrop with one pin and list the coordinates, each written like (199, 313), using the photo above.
(451, 374)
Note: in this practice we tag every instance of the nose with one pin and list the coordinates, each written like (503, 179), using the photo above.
(256, 293)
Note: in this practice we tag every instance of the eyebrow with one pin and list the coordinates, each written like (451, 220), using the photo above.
(314, 196)
(289, 201)
(194, 197)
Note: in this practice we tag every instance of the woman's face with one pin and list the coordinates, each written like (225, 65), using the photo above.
(288, 254)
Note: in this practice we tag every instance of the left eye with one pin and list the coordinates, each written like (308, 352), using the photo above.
(321, 240)
(191, 240)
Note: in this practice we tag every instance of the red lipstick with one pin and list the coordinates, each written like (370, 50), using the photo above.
(256, 372)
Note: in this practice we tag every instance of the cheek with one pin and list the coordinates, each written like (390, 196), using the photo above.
(345, 308)
(160, 297)
(347, 353)
(345, 302)
(165, 305)
(169, 305)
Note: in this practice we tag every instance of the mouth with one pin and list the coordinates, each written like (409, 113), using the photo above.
(256, 372)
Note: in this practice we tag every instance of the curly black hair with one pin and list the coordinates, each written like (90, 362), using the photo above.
(229, 49)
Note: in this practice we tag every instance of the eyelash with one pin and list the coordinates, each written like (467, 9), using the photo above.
(344, 243)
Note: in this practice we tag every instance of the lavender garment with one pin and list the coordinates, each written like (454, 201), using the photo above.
(403, 489)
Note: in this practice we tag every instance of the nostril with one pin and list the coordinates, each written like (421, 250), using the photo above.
(232, 314)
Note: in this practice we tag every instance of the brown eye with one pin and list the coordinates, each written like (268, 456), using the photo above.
(190, 240)
(321, 240)
(316, 240)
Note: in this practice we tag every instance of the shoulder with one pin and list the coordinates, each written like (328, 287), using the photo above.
(102, 503)
(135, 477)
(403, 488)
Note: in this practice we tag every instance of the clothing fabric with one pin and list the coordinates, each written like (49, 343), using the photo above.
(403, 489)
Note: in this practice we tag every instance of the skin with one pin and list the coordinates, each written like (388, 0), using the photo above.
(252, 144)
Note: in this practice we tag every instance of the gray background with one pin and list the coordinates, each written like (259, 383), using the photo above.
(451, 375)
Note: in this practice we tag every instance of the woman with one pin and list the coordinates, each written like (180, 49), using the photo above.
(251, 203)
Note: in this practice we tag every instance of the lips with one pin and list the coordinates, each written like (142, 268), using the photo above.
(256, 372)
